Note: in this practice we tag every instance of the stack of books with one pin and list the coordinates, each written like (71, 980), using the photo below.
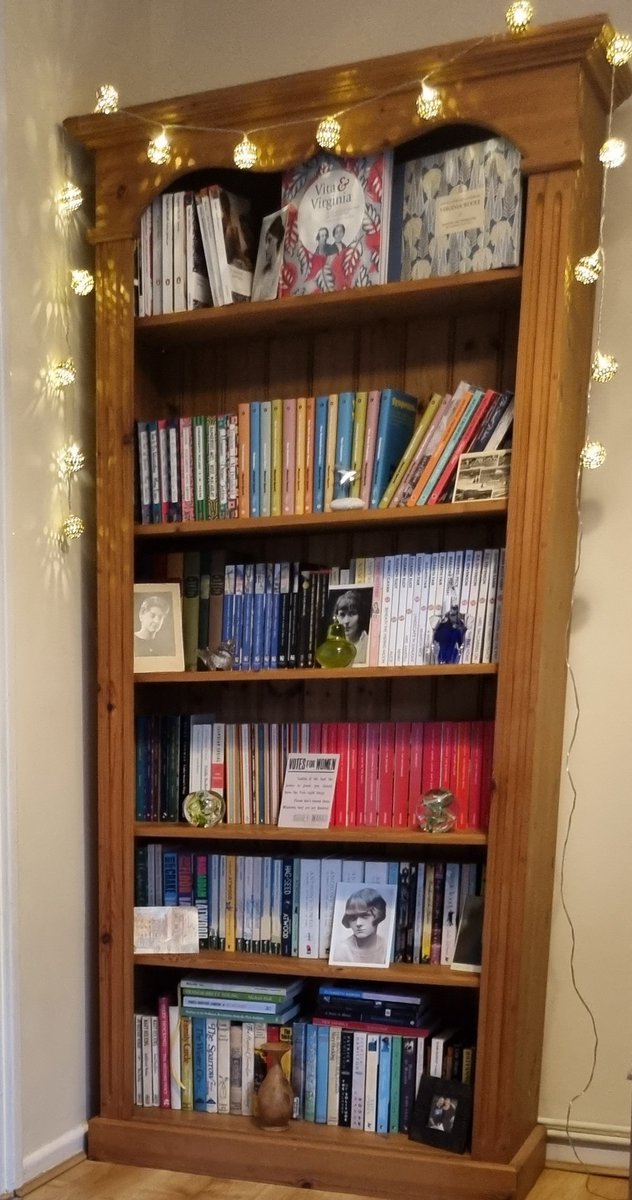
(240, 997)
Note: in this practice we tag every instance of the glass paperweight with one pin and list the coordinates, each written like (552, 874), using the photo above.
(204, 808)
(335, 651)
(433, 811)
(221, 658)
(345, 478)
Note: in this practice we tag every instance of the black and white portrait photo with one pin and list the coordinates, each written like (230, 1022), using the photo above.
(364, 924)
(157, 627)
(351, 606)
(265, 284)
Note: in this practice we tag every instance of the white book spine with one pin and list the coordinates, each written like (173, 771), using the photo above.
(385, 611)
(333, 1076)
(481, 608)
(376, 873)
(154, 464)
(370, 1082)
(174, 1057)
(448, 583)
(472, 604)
(211, 1064)
(223, 1066)
(156, 255)
(275, 915)
(454, 581)
(174, 476)
(352, 870)
(358, 1080)
(501, 428)
(179, 254)
(257, 901)
(331, 875)
(144, 468)
(450, 912)
(309, 908)
(430, 608)
(419, 647)
(396, 600)
(222, 901)
(500, 588)
(138, 1059)
(408, 591)
(247, 1067)
(466, 580)
(167, 253)
(436, 614)
(245, 772)
(218, 741)
(265, 923)
(376, 608)
(490, 610)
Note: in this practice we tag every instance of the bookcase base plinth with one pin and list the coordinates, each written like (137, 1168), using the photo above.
(312, 1156)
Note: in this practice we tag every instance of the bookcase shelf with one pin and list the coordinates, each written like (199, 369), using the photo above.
(526, 329)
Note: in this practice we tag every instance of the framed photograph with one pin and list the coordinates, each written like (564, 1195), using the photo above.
(363, 925)
(265, 284)
(442, 1114)
(352, 605)
(157, 628)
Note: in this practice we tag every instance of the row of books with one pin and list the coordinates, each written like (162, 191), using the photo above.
(272, 457)
(400, 610)
(342, 222)
(384, 768)
(352, 1074)
(297, 907)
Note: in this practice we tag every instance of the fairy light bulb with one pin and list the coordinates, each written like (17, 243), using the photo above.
(619, 50)
(589, 268)
(328, 133)
(70, 461)
(81, 282)
(72, 528)
(429, 103)
(519, 16)
(62, 374)
(245, 154)
(159, 149)
(107, 99)
(68, 199)
(604, 367)
(612, 153)
(593, 456)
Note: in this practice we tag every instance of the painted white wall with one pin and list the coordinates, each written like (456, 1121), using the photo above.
(56, 57)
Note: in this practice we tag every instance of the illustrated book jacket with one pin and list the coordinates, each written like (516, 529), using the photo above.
(337, 232)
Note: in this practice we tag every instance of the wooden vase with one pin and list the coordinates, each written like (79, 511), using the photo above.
(275, 1098)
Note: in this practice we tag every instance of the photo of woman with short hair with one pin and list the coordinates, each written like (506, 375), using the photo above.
(363, 925)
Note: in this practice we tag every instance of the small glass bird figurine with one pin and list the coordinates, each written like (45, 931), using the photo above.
(345, 476)
(335, 651)
(433, 815)
(222, 658)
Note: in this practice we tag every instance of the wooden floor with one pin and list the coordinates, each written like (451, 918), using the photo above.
(105, 1181)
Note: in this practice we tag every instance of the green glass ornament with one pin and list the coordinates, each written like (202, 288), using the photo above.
(335, 651)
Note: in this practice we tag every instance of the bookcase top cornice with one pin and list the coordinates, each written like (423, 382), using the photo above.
(489, 82)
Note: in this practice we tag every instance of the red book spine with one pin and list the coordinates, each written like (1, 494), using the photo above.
(476, 775)
(448, 754)
(164, 1069)
(373, 1027)
(386, 774)
(329, 745)
(431, 768)
(415, 770)
(340, 791)
(402, 774)
(352, 773)
(315, 735)
(361, 776)
(462, 786)
(371, 768)
(487, 778)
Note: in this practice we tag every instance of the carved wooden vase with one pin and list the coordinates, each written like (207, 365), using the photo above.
(275, 1098)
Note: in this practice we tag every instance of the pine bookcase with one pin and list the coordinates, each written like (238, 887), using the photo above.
(528, 327)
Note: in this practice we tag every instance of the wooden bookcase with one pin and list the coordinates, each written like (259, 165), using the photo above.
(529, 326)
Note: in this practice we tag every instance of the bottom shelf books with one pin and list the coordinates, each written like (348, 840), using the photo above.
(362, 1071)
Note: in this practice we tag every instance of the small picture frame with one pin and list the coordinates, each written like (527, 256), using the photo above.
(352, 604)
(158, 644)
(363, 925)
(442, 1114)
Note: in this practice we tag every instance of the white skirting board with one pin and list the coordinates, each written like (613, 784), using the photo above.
(54, 1153)
(588, 1145)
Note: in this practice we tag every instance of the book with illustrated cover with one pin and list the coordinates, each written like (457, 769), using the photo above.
(338, 224)
(483, 476)
(460, 211)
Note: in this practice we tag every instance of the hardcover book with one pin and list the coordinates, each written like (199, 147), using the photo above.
(337, 229)
(461, 210)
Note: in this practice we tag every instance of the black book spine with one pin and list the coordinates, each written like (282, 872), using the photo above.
(346, 1069)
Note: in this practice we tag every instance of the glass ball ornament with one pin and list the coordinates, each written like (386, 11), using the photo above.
(107, 99)
(604, 367)
(159, 149)
(429, 103)
(433, 811)
(72, 528)
(619, 50)
(519, 16)
(328, 133)
(336, 650)
(589, 268)
(62, 374)
(204, 808)
(81, 282)
(245, 154)
(612, 153)
(68, 199)
(593, 456)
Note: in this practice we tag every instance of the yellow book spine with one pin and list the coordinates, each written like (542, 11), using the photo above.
(330, 457)
(276, 499)
(301, 424)
(357, 443)
(409, 452)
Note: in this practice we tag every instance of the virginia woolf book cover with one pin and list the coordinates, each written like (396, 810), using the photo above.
(336, 235)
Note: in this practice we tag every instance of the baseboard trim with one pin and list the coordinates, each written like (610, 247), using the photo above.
(53, 1159)
(582, 1151)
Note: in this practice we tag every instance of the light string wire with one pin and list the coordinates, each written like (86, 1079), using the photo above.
(577, 708)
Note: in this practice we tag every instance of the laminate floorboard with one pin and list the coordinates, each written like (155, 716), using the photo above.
(109, 1181)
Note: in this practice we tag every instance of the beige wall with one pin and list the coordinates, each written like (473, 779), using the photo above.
(57, 55)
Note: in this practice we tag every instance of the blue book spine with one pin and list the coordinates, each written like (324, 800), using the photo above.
(394, 430)
(258, 617)
(287, 873)
(255, 458)
(322, 1073)
(267, 615)
(393, 873)
(245, 661)
(199, 1063)
(170, 878)
(344, 438)
(309, 1105)
(320, 452)
(384, 1085)
(275, 616)
(299, 1031)
(238, 614)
